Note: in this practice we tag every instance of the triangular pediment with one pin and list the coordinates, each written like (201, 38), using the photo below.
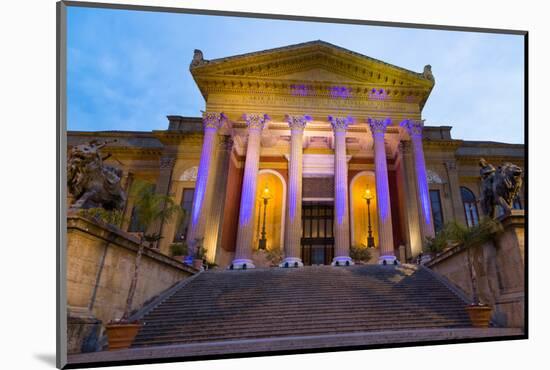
(316, 61)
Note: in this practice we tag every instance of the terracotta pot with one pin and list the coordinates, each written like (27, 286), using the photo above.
(180, 258)
(121, 336)
(479, 315)
(197, 263)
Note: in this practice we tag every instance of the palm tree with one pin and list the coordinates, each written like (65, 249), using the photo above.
(150, 207)
(470, 237)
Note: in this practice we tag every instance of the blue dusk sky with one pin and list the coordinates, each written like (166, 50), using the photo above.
(128, 70)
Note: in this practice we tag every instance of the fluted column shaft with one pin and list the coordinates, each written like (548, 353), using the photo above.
(414, 128)
(245, 233)
(293, 219)
(197, 220)
(341, 210)
(385, 232)
(217, 198)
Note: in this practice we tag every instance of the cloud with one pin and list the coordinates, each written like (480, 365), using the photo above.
(127, 70)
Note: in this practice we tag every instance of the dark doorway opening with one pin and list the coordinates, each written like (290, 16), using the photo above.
(317, 233)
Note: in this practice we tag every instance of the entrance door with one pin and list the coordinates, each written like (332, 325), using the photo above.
(317, 236)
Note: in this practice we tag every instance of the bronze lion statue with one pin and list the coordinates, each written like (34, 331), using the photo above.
(91, 182)
(499, 187)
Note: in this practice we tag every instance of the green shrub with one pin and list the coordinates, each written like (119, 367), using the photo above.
(178, 249)
(113, 217)
(360, 253)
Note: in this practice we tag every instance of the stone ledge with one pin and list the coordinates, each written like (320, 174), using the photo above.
(112, 234)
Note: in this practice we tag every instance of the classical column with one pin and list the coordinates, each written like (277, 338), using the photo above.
(411, 219)
(341, 211)
(218, 189)
(385, 233)
(245, 233)
(414, 128)
(212, 122)
(293, 219)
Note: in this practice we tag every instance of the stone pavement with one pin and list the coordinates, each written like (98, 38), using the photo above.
(296, 343)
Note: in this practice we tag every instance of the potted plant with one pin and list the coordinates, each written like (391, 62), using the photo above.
(200, 252)
(471, 237)
(150, 207)
(179, 250)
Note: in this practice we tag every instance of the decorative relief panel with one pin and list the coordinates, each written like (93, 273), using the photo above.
(190, 174)
(433, 177)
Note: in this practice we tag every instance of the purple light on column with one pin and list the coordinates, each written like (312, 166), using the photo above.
(202, 174)
(421, 173)
(414, 128)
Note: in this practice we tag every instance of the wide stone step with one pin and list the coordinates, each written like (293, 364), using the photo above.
(302, 309)
(303, 316)
(235, 305)
(293, 325)
(199, 336)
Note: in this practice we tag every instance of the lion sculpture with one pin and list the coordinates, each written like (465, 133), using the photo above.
(91, 182)
(499, 187)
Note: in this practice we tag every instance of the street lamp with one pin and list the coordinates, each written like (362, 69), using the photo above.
(370, 240)
(266, 196)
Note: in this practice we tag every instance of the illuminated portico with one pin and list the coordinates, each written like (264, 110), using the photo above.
(325, 113)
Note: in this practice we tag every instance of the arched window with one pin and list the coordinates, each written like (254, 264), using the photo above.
(470, 206)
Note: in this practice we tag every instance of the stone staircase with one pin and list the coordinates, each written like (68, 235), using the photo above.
(321, 300)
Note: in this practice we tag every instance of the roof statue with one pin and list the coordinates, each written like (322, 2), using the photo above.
(428, 72)
(198, 58)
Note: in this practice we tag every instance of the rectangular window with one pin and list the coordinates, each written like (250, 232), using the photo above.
(135, 226)
(437, 210)
(187, 206)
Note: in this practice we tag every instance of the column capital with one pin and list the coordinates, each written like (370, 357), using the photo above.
(256, 121)
(297, 122)
(378, 125)
(340, 124)
(213, 120)
(413, 127)
(167, 162)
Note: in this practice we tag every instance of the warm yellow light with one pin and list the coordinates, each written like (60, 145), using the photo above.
(266, 193)
(367, 194)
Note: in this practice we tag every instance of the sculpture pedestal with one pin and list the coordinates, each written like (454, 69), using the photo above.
(241, 264)
(342, 261)
(291, 262)
(388, 260)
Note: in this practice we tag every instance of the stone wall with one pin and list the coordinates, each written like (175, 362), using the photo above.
(100, 264)
(499, 267)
